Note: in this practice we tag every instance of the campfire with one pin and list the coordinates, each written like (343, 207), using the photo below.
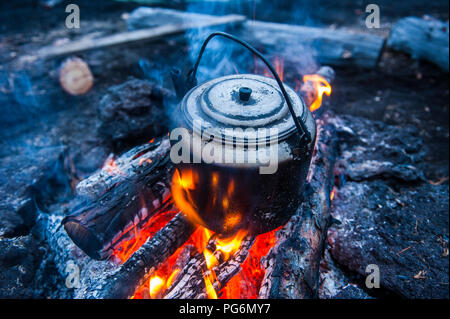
(207, 264)
(255, 162)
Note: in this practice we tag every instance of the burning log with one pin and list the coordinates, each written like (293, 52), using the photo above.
(422, 39)
(315, 86)
(136, 270)
(124, 195)
(190, 283)
(292, 265)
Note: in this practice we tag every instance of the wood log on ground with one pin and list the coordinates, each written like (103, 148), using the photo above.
(75, 76)
(325, 46)
(292, 265)
(130, 191)
(426, 39)
(135, 271)
(322, 45)
(137, 36)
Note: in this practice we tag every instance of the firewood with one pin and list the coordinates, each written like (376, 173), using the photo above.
(326, 46)
(292, 265)
(137, 36)
(123, 195)
(190, 282)
(75, 76)
(135, 271)
(422, 39)
(312, 44)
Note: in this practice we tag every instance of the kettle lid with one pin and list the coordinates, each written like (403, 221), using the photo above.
(241, 100)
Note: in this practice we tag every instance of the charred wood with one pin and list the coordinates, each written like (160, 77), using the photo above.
(136, 36)
(135, 271)
(422, 39)
(292, 265)
(326, 46)
(123, 195)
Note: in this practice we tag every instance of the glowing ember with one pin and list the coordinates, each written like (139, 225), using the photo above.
(247, 283)
(128, 246)
(145, 160)
(110, 165)
(155, 285)
(320, 86)
(332, 194)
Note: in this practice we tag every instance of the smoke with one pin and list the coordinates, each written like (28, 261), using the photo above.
(18, 102)
(223, 56)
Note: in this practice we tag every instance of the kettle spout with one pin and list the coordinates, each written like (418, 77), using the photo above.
(182, 81)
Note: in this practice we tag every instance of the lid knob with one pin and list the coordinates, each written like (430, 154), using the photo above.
(244, 93)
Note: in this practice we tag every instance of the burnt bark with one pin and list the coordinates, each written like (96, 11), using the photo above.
(292, 265)
(123, 195)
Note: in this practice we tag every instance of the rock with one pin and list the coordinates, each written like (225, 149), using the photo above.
(18, 263)
(403, 231)
(389, 215)
(132, 113)
(25, 179)
(376, 150)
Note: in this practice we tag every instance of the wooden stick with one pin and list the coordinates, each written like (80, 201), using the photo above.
(135, 271)
(123, 195)
(137, 36)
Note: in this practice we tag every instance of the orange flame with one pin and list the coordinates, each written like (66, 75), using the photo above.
(320, 86)
(182, 183)
(156, 283)
(128, 246)
(332, 194)
(278, 64)
(227, 246)
(244, 285)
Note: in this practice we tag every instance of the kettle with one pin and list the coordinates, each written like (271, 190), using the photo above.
(242, 146)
